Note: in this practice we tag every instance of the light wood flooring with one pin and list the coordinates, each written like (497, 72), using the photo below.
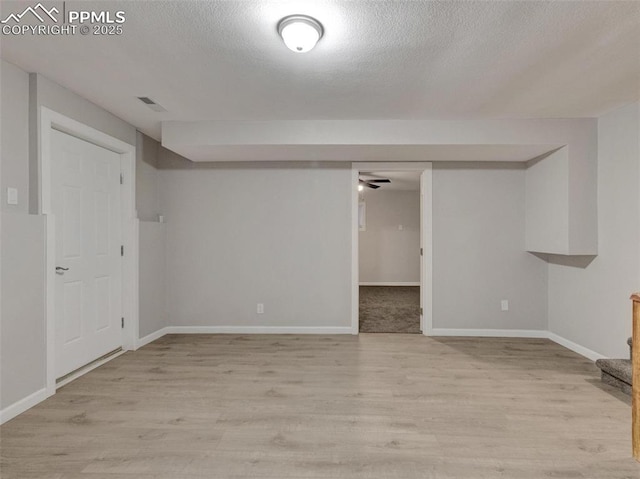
(374, 406)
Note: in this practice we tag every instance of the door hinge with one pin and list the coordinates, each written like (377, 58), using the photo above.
(121, 179)
(421, 252)
(121, 250)
(420, 311)
(122, 323)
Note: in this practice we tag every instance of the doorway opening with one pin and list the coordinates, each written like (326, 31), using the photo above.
(392, 248)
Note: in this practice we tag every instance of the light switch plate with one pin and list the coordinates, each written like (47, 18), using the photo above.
(12, 196)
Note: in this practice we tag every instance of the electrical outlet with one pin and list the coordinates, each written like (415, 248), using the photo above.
(400, 227)
(12, 196)
(504, 305)
(260, 308)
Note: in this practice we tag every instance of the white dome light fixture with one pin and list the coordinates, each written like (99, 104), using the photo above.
(300, 33)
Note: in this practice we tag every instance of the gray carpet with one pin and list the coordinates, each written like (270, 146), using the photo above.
(389, 309)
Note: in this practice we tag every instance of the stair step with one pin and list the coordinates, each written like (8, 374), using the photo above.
(618, 368)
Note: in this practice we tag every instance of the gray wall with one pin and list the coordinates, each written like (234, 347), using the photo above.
(46, 93)
(14, 136)
(589, 297)
(386, 253)
(277, 236)
(147, 178)
(288, 246)
(479, 255)
(22, 325)
(547, 204)
(22, 335)
(153, 288)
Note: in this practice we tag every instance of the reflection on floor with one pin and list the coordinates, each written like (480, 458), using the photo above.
(373, 406)
(389, 309)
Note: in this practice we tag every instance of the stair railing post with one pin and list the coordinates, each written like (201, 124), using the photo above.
(635, 378)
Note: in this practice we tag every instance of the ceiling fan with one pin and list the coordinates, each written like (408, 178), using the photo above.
(372, 182)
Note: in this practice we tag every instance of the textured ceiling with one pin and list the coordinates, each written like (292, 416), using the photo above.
(223, 60)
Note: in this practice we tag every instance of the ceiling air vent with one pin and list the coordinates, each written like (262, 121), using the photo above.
(151, 104)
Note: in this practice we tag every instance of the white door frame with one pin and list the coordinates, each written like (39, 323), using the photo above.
(426, 234)
(51, 120)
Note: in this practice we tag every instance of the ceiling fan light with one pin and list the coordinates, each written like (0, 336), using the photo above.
(300, 33)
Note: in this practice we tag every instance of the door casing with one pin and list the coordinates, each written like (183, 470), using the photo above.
(49, 120)
(426, 238)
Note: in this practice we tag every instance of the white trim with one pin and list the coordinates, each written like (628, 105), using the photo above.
(52, 120)
(362, 215)
(50, 310)
(355, 239)
(426, 239)
(491, 333)
(576, 348)
(22, 405)
(426, 223)
(89, 368)
(130, 279)
(257, 330)
(149, 338)
(388, 283)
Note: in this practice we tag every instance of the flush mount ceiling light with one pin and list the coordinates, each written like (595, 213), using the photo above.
(300, 33)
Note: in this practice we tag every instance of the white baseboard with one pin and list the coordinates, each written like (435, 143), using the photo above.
(576, 348)
(242, 330)
(151, 337)
(519, 333)
(386, 283)
(491, 333)
(257, 330)
(21, 406)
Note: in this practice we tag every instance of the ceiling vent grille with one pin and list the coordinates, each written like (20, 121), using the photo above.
(151, 104)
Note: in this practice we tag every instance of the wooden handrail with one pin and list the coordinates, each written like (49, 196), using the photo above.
(635, 378)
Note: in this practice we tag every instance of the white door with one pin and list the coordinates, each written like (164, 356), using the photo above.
(88, 294)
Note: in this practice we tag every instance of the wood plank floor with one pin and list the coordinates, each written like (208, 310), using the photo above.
(373, 406)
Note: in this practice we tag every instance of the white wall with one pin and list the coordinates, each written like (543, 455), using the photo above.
(22, 329)
(153, 288)
(547, 204)
(589, 301)
(46, 93)
(479, 255)
(147, 178)
(22, 347)
(288, 246)
(277, 236)
(14, 136)
(152, 246)
(22, 323)
(386, 253)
